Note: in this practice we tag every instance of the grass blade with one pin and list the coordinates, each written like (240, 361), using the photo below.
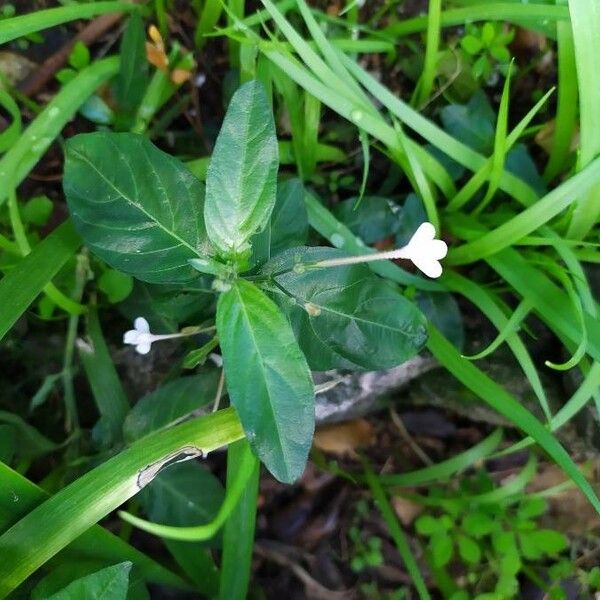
(36, 139)
(585, 20)
(96, 543)
(66, 515)
(238, 538)
(447, 468)
(21, 286)
(396, 532)
(503, 403)
(11, 29)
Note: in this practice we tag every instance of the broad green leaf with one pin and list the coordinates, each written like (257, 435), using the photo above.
(427, 525)
(345, 312)
(289, 221)
(372, 220)
(136, 207)
(170, 403)
(242, 176)
(166, 306)
(471, 123)
(111, 583)
(478, 524)
(442, 310)
(75, 568)
(186, 494)
(268, 380)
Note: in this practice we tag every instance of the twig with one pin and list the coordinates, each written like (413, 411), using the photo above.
(36, 82)
(314, 589)
(408, 438)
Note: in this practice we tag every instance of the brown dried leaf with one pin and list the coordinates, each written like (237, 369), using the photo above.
(406, 510)
(343, 439)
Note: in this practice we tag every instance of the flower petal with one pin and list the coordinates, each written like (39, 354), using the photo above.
(423, 235)
(131, 337)
(429, 266)
(141, 325)
(143, 348)
(438, 249)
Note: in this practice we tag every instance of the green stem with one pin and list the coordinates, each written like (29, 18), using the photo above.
(71, 416)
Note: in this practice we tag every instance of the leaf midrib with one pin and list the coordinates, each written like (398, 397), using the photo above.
(264, 372)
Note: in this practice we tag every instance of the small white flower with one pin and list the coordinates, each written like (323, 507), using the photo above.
(425, 251)
(140, 336)
(422, 249)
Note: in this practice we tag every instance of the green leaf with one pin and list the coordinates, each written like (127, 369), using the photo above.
(469, 550)
(80, 56)
(41, 19)
(29, 442)
(345, 315)
(442, 549)
(277, 408)
(108, 392)
(96, 545)
(71, 569)
(442, 310)
(289, 221)
(63, 517)
(542, 542)
(471, 44)
(166, 306)
(478, 524)
(20, 287)
(133, 69)
(242, 176)
(7, 443)
(427, 525)
(533, 506)
(170, 403)
(238, 534)
(471, 123)
(116, 285)
(136, 207)
(37, 210)
(372, 220)
(111, 583)
(182, 495)
(11, 133)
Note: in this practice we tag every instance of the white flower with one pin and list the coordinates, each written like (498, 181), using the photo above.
(425, 251)
(142, 338)
(422, 249)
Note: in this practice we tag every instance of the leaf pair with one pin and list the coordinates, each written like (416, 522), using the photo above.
(144, 213)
